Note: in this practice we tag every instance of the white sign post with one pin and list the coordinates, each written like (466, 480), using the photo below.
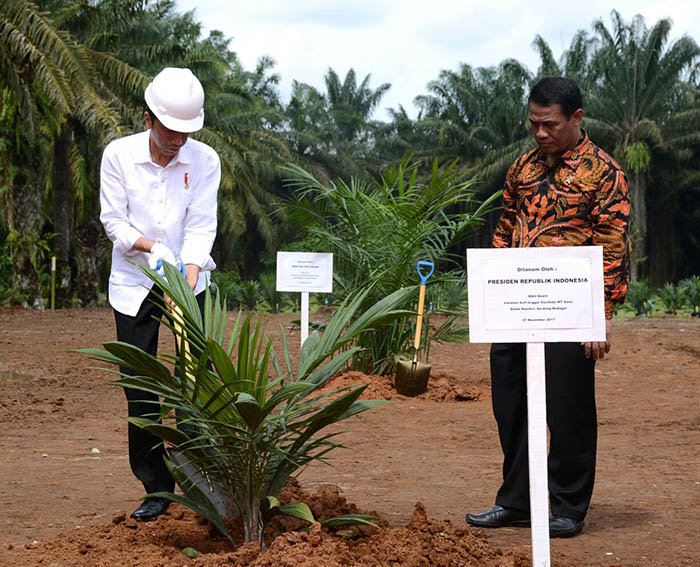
(305, 272)
(536, 295)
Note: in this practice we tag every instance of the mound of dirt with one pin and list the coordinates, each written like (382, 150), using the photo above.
(423, 542)
(441, 388)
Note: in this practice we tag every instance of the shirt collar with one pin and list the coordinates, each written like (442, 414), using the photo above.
(573, 156)
(142, 152)
(185, 154)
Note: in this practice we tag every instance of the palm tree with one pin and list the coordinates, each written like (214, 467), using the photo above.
(102, 107)
(476, 111)
(350, 105)
(575, 61)
(641, 108)
(333, 133)
(47, 77)
(642, 105)
(33, 87)
(479, 117)
(309, 129)
(120, 37)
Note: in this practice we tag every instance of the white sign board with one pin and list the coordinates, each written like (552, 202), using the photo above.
(536, 295)
(305, 271)
(539, 294)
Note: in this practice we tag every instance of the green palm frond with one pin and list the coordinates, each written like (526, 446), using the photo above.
(244, 430)
(35, 57)
(378, 231)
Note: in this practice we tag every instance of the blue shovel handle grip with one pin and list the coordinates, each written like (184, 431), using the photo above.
(159, 265)
(424, 277)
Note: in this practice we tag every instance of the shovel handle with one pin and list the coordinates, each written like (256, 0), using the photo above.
(419, 321)
(179, 322)
(421, 301)
(159, 266)
(425, 264)
(182, 342)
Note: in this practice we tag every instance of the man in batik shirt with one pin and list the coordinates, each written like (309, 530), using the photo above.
(566, 192)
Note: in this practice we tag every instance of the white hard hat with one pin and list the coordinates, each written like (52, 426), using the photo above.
(176, 97)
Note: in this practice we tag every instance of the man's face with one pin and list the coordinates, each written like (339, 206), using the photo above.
(165, 141)
(553, 133)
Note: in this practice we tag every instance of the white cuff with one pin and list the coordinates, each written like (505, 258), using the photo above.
(127, 240)
(189, 255)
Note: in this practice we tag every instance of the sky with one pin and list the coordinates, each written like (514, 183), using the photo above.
(408, 42)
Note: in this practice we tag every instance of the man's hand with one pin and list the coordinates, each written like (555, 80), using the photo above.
(598, 350)
(163, 253)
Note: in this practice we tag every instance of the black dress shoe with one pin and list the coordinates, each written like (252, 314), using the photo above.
(499, 517)
(150, 509)
(559, 526)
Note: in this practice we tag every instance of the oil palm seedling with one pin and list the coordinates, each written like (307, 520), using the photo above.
(378, 231)
(273, 300)
(639, 297)
(673, 297)
(249, 294)
(248, 419)
(691, 290)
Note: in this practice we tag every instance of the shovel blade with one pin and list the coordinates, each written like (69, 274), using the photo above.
(411, 377)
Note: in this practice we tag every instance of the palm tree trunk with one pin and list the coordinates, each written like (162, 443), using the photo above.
(89, 253)
(638, 224)
(27, 221)
(62, 215)
(86, 260)
(664, 247)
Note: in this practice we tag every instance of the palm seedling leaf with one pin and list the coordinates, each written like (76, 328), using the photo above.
(349, 520)
(194, 498)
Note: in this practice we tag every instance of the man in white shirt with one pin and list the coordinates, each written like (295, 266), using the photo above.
(158, 194)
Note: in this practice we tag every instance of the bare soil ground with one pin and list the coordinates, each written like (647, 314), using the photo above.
(418, 463)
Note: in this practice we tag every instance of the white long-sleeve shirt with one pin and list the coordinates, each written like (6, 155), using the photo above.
(174, 205)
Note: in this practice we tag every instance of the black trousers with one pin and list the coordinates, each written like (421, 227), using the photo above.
(571, 418)
(146, 450)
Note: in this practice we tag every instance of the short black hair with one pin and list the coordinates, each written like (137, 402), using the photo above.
(557, 90)
(151, 114)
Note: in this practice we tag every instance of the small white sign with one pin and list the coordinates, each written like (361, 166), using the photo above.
(536, 294)
(305, 271)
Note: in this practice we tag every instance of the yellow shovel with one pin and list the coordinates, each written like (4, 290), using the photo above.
(179, 325)
(412, 377)
(192, 472)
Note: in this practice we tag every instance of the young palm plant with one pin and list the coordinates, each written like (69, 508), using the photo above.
(691, 291)
(673, 297)
(639, 297)
(378, 231)
(246, 432)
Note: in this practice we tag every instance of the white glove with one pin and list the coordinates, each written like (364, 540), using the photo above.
(161, 252)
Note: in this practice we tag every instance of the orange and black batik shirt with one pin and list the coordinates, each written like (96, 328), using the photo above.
(581, 200)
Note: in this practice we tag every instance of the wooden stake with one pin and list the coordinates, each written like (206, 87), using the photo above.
(53, 281)
(537, 454)
(304, 316)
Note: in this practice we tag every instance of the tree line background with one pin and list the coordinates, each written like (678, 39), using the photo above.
(72, 76)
